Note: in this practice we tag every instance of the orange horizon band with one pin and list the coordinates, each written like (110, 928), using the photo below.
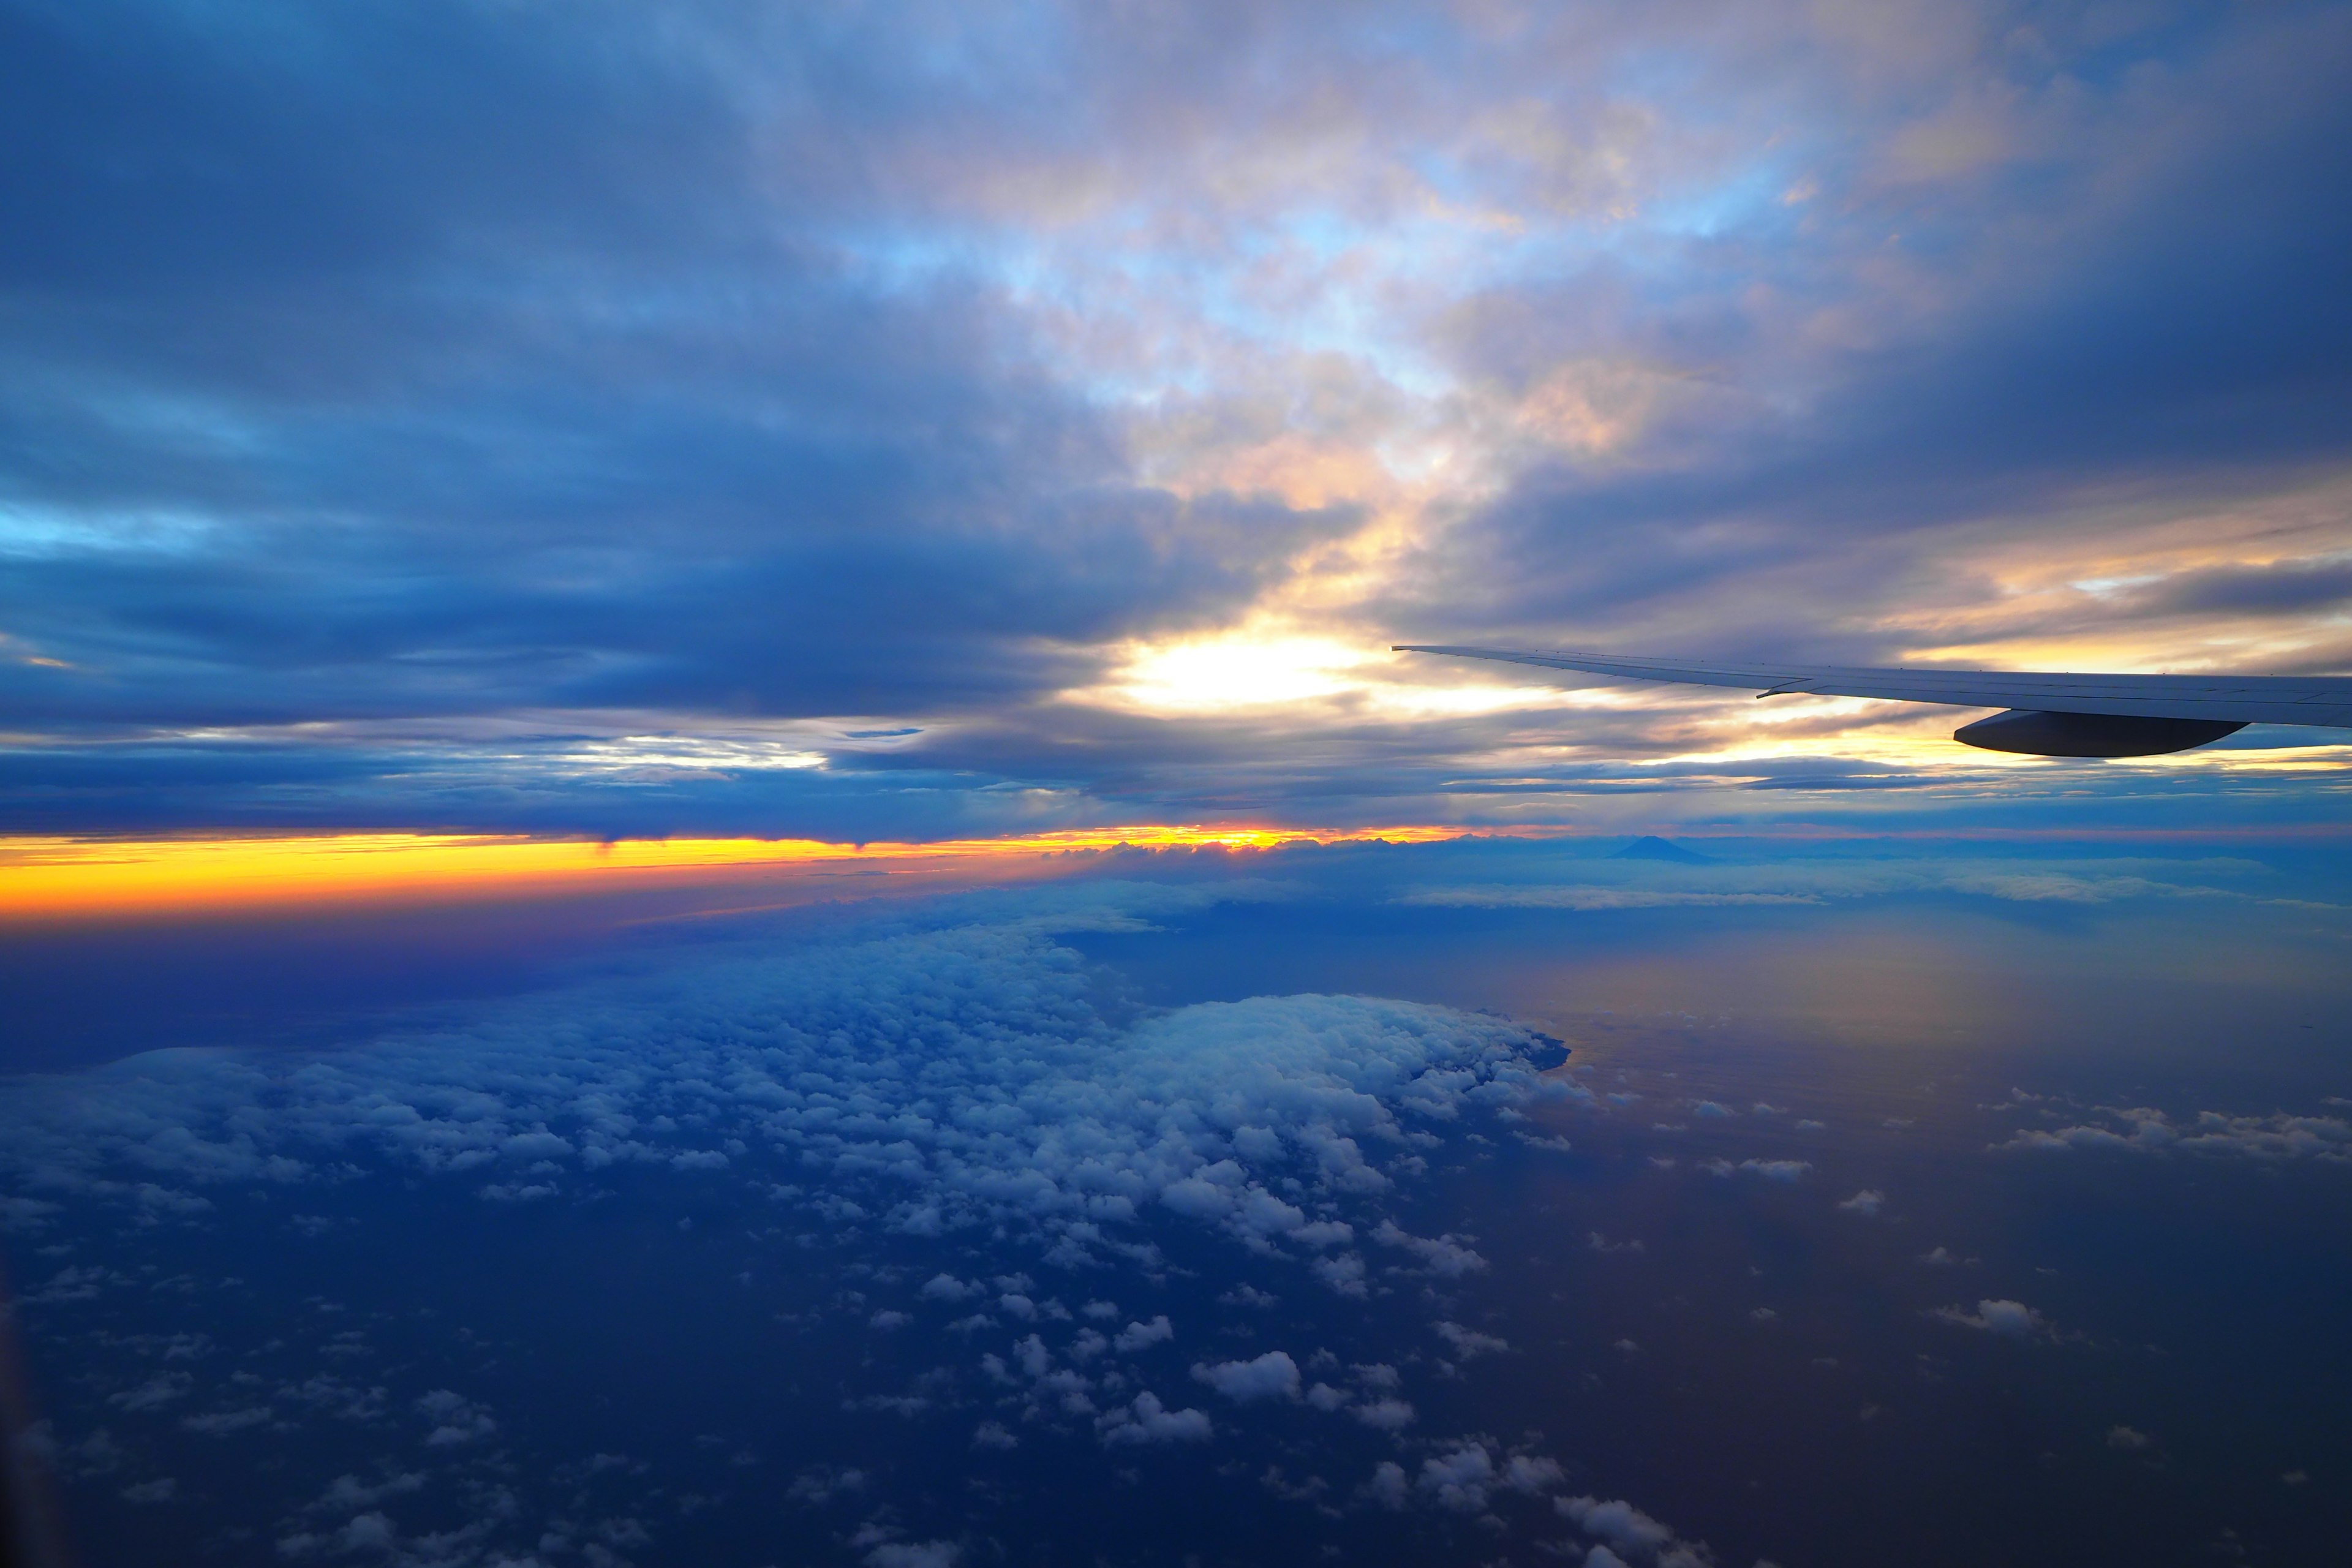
(67, 877)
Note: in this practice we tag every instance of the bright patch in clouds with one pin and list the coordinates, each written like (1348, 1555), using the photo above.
(1250, 671)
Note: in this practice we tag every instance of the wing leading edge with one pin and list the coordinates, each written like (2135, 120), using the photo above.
(2051, 714)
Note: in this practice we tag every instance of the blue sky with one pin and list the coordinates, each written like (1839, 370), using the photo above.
(625, 420)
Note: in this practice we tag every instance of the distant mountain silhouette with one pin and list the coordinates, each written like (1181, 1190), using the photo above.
(1652, 848)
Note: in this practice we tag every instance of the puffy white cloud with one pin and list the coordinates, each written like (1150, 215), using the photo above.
(1784, 1171)
(930, 1079)
(2144, 1131)
(1444, 1254)
(1531, 1473)
(1273, 1375)
(1866, 1203)
(1344, 1274)
(1459, 1479)
(2011, 1319)
(1137, 1336)
(951, 1081)
(455, 1419)
(914, 1554)
(1618, 1523)
(1146, 1420)
(1469, 1342)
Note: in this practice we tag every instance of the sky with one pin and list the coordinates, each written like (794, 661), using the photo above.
(909, 422)
(711, 852)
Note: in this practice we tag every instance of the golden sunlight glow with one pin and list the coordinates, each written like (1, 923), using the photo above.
(48, 877)
(1244, 669)
(1238, 671)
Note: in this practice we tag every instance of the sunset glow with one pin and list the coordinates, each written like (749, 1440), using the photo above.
(60, 877)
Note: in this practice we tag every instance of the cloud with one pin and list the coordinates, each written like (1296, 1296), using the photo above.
(1144, 1420)
(1273, 1375)
(1141, 1336)
(157, 1391)
(1782, 1171)
(1628, 1532)
(1460, 1479)
(1069, 1129)
(353, 384)
(1470, 1343)
(2010, 1320)
(1866, 1203)
(456, 1420)
(1444, 1255)
(2141, 1129)
(948, 1288)
(914, 1554)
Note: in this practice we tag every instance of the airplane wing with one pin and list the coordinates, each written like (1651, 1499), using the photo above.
(2186, 709)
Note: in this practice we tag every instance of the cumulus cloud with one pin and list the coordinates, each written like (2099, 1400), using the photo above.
(1459, 1479)
(1444, 1255)
(1273, 1375)
(1139, 1336)
(1144, 1420)
(1782, 1171)
(914, 1554)
(1470, 1343)
(2144, 1131)
(2010, 1320)
(1627, 1533)
(1866, 1203)
(1014, 1104)
(454, 1420)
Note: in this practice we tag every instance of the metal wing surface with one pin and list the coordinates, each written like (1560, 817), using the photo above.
(2226, 698)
